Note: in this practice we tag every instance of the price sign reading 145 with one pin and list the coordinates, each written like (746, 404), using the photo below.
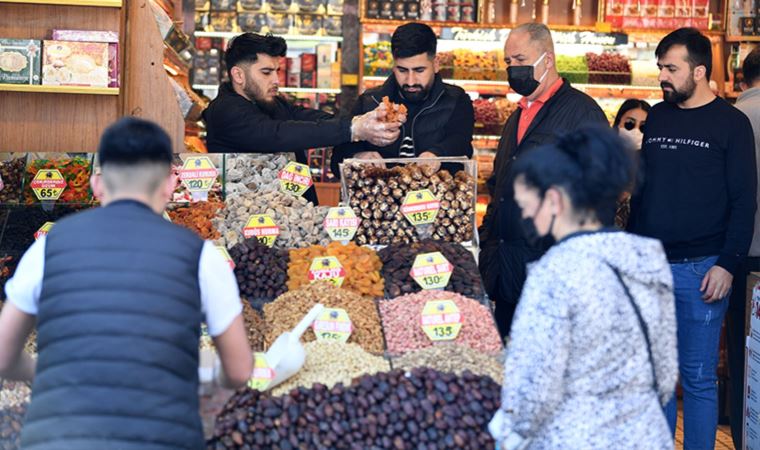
(48, 184)
(420, 207)
(295, 178)
(263, 228)
(431, 270)
(441, 320)
(341, 224)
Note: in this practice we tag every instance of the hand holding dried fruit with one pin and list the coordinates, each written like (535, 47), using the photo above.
(374, 128)
(394, 112)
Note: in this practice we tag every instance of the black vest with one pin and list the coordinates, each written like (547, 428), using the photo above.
(118, 328)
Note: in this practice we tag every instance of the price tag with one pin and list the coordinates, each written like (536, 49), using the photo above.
(295, 178)
(333, 324)
(198, 174)
(44, 230)
(263, 228)
(226, 256)
(48, 184)
(420, 207)
(341, 224)
(441, 320)
(327, 268)
(262, 373)
(431, 270)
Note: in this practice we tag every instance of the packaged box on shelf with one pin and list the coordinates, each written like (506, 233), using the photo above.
(335, 7)
(412, 10)
(280, 5)
(399, 10)
(308, 70)
(324, 77)
(20, 61)
(373, 9)
(335, 75)
(308, 24)
(614, 14)
(325, 55)
(67, 63)
(294, 72)
(202, 5)
(453, 12)
(333, 25)
(202, 21)
(386, 9)
(282, 72)
(311, 6)
(439, 11)
(252, 21)
(223, 21)
(280, 23)
(223, 5)
(250, 6)
(666, 11)
(700, 14)
(109, 37)
(747, 26)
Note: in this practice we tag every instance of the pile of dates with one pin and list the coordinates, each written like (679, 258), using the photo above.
(376, 195)
(420, 409)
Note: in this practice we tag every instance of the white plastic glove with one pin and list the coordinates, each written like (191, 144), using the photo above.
(371, 127)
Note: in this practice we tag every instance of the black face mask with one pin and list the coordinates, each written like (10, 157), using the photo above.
(521, 78)
(530, 232)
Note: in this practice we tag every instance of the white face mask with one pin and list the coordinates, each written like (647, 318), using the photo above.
(634, 137)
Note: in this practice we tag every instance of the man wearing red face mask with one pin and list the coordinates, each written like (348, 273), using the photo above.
(549, 107)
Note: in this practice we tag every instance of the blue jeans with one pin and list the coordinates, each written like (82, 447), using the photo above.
(699, 326)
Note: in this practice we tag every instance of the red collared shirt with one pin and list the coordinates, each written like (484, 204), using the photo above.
(529, 112)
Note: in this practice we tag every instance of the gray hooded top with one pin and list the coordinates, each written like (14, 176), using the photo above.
(578, 374)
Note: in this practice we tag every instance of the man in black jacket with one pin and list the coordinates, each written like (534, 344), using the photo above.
(550, 106)
(248, 116)
(441, 118)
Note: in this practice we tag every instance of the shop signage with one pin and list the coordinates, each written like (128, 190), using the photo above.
(431, 270)
(420, 207)
(226, 256)
(263, 228)
(198, 174)
(341, 224)
(44, 230)
(48, 184)
(559, 37)
(262, 375)
(333, 324)
(441, 320)
(295, 178)
(327, 268)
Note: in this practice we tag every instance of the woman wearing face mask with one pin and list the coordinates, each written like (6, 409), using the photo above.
(592, 355)
(630, 121)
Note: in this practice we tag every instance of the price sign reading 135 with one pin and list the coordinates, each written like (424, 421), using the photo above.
(420, 207)
(441, 320)
(431, 270)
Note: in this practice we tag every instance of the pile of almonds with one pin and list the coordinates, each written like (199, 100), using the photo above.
(330, 363)
(376, 195)
(288, 309)
(300, 222)
(403, 333)
(362, 266)
(422, 409)
(454, 358)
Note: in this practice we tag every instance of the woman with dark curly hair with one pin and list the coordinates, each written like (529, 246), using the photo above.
(592, 356)
(629, 122)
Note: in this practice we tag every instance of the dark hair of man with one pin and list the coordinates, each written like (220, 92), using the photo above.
(697, 46)
(628, 105)
(590, 164)
(412, 39)
(751, 67)
(246, 48)
(132, 141)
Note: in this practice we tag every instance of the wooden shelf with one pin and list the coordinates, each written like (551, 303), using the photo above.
(35, 88)
(742, 38)
(287, 37)
(290, 90)
(97, 3)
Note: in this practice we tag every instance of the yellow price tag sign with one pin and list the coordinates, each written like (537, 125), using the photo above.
(327, 268)
(44, 230)
(333, 324)
(48, 184)
(263, 228)
(295, 179)
(341, 224)
(198, 173)
(226, 256)
(420, 207)
(441, 320)
(431, 270)
(262, 374)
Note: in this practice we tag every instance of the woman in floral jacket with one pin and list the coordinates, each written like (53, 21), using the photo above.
(592, 353)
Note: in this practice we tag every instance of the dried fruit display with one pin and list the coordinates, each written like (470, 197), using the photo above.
(76, 172)
(330, 363)
(14, 393)
(261, 271)
(376, 195)
(288, 309)
(574, 68)
(197, 217)
(398, 259)
(454, 358)
(23, 222)
(403, 332)
(608, 68)
(246, 172)
(378, 60)
(421, 409)
(11, 422)
(11, 174)
(393, 110)
(255, 327)
(362, 266)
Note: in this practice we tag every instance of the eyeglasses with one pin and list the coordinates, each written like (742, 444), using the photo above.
(630, 124)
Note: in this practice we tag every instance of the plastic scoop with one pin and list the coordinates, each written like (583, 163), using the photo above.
(286, 355)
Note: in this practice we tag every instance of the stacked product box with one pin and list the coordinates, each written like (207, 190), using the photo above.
(109, 37)
(20, 61)
(308, 70)
(70, 63)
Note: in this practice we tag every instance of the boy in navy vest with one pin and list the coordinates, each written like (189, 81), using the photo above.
(119, 294)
